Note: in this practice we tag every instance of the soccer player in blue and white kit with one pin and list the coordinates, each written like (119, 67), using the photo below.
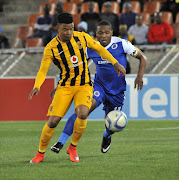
(109, 88)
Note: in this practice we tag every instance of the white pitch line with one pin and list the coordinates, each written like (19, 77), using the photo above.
(153, 129)
(170, 128)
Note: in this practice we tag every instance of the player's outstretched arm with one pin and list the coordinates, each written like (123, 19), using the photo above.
(142, 66)
(119, 69)
(104, 53)
(35, 91)
(40, 78)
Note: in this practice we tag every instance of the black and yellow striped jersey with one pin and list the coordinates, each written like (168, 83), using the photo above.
(70, 58)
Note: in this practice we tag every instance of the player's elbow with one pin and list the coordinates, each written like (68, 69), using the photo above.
(145, 58)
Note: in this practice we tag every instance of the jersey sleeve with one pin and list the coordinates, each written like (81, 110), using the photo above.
(45, 64)
(92, 44)
(129, 48)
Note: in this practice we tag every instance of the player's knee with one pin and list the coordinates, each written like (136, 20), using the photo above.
(82, 112)
(53, 121)
(82, 115)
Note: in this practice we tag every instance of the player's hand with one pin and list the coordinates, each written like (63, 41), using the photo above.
(52, 93)
(138, 83)
(35, 91)
(120, 69)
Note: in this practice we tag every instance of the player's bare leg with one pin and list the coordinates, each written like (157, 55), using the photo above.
(93, 106)
(78, 130)
(46, 135)
(68, 130)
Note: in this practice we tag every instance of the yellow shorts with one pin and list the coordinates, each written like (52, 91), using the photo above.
(82, 95)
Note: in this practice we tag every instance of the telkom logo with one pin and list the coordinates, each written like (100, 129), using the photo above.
(159, 97)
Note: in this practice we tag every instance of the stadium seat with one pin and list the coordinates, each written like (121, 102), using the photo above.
(76, 1)
(152, 7)
(32, 18)
(71, 8)
(135, 6)
(54, 1)
(21, 35)
(177, 18)
(84, 7)
(23, 32)
(115, 7)
(34, 42)
(76, 19)
(177, 41)
(176, 31)
(167, 17)
(146, 18)
(159, 0)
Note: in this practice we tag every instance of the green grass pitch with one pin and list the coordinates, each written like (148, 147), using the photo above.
(145, 150)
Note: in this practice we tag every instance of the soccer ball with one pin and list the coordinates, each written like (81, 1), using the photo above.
(116, 120)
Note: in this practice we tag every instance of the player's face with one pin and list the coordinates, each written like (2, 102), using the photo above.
(103, 34)
(65, 32)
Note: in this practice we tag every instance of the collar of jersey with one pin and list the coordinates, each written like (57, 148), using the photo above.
(108, 44)
(72, 39)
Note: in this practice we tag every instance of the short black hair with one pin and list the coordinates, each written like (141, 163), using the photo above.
(64, 18)
(104, 23)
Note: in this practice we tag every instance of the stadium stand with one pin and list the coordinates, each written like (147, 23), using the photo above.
(13, 21)
(15, 14)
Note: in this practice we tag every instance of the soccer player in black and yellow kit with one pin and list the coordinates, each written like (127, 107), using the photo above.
(67, 51)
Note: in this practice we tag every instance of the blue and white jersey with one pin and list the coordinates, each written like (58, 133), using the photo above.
(106, 75)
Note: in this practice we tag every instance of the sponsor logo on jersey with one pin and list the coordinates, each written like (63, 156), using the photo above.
(74, 59)
(75, 65)
(114, 46)
(97, 93)
(103, 62)
(79, 45)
